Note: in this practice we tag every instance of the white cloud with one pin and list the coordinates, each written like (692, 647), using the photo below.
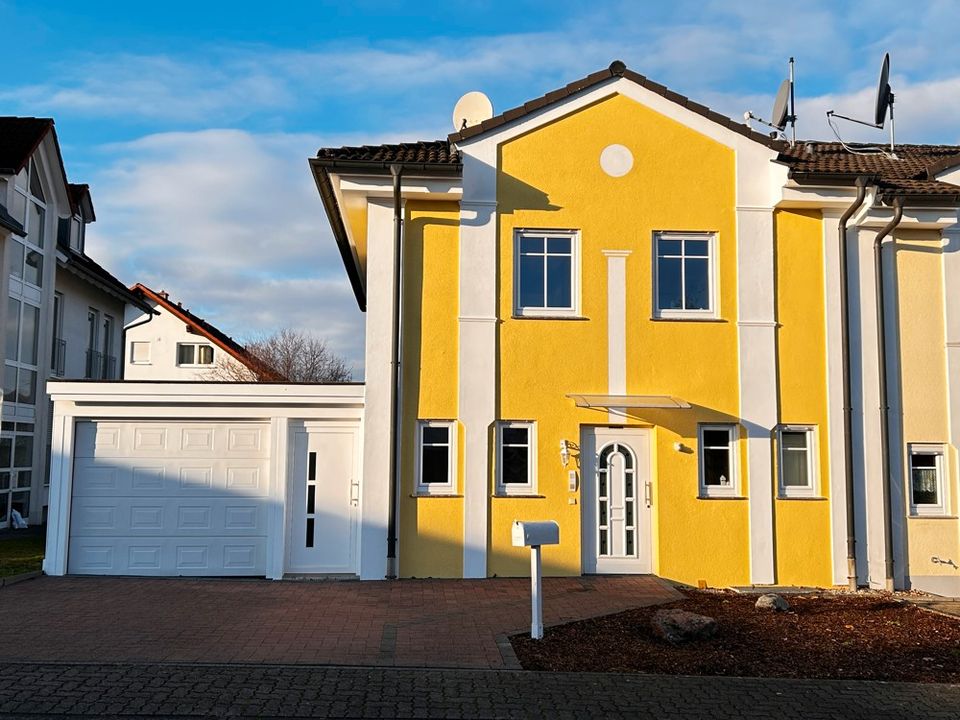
(230, 223)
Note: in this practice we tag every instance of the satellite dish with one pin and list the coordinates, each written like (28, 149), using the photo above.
(883, 106)
(472, 109)
(783, 110)
(781, 106)
(883, 93)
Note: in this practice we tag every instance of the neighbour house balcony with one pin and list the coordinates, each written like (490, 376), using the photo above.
(100, 366)
(58, 357)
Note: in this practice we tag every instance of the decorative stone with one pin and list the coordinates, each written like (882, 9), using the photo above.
(679, 626)
(772, 601)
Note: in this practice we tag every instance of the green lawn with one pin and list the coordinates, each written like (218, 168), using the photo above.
(20, 554)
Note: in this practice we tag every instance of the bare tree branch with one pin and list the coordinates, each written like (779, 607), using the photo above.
(287, 354)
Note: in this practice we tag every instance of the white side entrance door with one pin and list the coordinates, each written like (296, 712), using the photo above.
(322, 502)
(616, 522)
(169, 498)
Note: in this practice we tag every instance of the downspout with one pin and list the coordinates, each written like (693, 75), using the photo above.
(396, 172)
(847, 402)
(884, 402)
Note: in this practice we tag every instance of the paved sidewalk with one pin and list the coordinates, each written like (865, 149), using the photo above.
(427, 623)
(936, 603)
(333, 692)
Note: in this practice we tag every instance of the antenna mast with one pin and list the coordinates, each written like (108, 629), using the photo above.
(792, 117)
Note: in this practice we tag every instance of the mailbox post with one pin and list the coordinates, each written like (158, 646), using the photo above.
(534, 535)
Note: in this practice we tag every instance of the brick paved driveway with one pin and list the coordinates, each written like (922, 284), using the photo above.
(434, 623)
(132, 690)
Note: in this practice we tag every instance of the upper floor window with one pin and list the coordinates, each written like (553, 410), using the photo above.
(546, 273)
(516, 458)
(798, 461)
(140, 352)
(718, 460)
(685, 275)
(194, 354)
(927, 492)
(436, 457)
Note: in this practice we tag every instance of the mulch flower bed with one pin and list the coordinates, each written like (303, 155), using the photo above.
(870, 636)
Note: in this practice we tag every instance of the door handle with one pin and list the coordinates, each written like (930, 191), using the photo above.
(648, 493)
(354, 493)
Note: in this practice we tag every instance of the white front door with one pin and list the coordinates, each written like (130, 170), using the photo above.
(322, 503)
(615, 465)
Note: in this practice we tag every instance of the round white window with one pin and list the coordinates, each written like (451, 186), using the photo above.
(616, 160)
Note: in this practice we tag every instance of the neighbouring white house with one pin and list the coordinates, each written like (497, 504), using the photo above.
(165, 341)
(63, 314)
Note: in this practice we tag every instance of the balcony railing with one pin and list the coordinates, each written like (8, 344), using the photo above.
(100, 366)
(94, 365)
(58, 357)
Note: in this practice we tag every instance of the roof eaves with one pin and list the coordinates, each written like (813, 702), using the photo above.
(198, 325)
(9, 222)
(321, 176)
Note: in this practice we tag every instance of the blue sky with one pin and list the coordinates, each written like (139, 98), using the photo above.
(193, 121)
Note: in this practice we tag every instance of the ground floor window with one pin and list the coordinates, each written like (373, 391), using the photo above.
(16, 470)
(798, 465)
(718, 460)
(436, 457)
(516, 458)
(926, 480)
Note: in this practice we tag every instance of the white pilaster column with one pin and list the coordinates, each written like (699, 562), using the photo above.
(61, 490)
(865, 400)
(616, 327)
(378, 380)
(834, 435)
(951, 302)
(756, 295)
(477, 378)
(279, 482)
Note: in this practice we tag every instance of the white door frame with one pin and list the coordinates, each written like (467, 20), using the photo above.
(640, 441)
(293, 506)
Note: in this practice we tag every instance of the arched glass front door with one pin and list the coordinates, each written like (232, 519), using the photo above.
(616, 500)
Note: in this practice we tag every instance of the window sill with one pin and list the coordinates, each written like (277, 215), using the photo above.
(686, 318)
(815, 498)
(435, 495)
(548, 317)
(518, 496)
(931, 516)
(721, 497)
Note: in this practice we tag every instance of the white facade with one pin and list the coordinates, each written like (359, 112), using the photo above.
(158, 348)
(87, 333)
(217, 479)
(37, 198)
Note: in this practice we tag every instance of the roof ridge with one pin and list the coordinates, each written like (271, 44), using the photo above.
(616, 69)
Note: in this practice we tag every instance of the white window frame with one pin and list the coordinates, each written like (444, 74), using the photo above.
(711, 313)
(938, 450)
(518, 489)
(133, 361)
(196, 354)
(812, 489)
(733, 489)
(449, 487)
(548, 312)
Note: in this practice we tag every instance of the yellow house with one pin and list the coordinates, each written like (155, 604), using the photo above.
(617, 309)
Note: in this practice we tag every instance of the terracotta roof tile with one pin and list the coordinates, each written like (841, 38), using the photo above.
(910, 170)
(434, 152)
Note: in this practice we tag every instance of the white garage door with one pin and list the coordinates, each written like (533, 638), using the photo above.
(169, 498)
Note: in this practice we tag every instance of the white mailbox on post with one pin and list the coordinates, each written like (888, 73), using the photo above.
(533, 535)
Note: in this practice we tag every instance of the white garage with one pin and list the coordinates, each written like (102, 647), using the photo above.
(211, 479)
(169, 498)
